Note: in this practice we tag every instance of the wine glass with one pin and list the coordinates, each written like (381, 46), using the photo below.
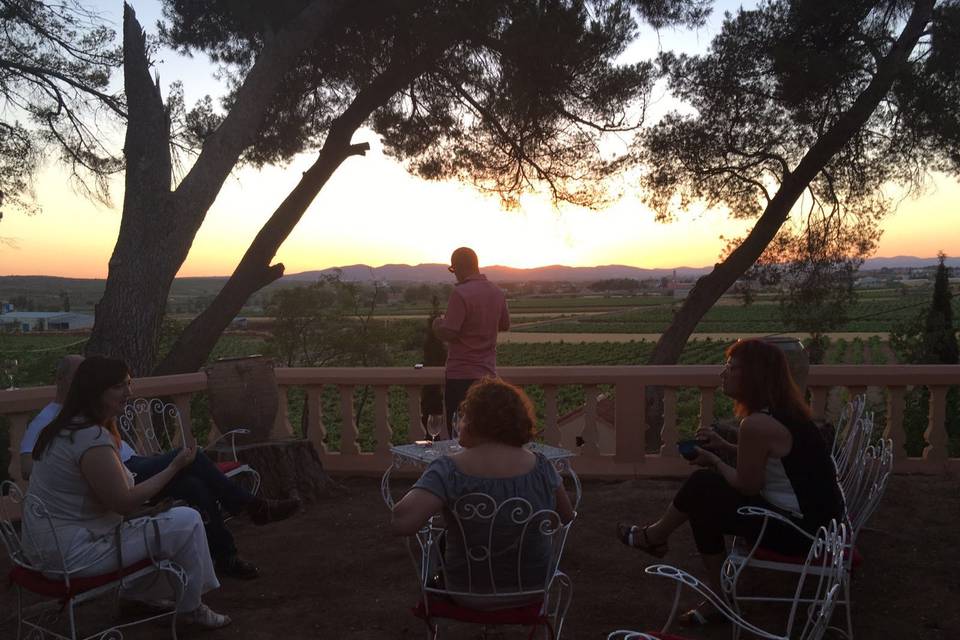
(434, 426)
(455, 431)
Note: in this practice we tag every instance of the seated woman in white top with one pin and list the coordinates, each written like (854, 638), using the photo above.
(86, 490)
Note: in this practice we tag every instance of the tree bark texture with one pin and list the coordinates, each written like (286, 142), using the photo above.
(710, 287)
(254, 271)
(158, 225)
(287, 468)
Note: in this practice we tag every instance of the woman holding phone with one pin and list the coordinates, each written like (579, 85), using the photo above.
(783, 464)
(78, 477)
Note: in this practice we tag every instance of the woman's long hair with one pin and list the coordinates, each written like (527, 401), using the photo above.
(84, 404)
(765, 381)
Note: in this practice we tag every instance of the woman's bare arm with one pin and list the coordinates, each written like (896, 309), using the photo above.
(103, 471)
(564, 506)
(413, 511)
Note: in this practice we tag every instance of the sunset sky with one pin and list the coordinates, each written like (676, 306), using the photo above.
(373, 212)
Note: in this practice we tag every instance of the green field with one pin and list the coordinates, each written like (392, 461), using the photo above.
(866, 315)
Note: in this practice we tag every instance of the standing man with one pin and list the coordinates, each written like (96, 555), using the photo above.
(476, 311)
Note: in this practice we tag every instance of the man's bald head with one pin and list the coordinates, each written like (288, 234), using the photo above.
(464, 263)
(66, 369)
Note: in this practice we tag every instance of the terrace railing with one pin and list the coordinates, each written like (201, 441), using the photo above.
(629, 383)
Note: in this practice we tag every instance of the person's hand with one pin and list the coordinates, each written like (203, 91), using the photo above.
(184, 458)
(705, 458)
(710, 439)
(436, 323)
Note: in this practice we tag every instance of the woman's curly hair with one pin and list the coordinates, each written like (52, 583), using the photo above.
(496, 410)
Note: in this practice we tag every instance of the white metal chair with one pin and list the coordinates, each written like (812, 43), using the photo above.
(872, 472)
(153, 427)
(853, 435)
(810, 608)
(493, 563)
(47, 579)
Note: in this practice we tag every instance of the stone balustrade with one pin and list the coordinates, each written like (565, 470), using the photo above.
(629, 383)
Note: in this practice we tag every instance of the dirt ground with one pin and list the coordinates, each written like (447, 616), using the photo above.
(335, 571)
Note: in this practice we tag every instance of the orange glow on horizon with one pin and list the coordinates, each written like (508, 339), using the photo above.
(373, 212)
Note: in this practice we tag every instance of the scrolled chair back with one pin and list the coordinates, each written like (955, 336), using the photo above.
(508, 547)
(151, 426)
(48, 559)
(827, 555)
(818, 589)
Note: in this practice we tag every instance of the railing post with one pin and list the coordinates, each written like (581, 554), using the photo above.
(669, 434)
(316, 431)
(281, 426)
(18, 425)
(551, 428)
(182, 401)
(381, 426)
(706, 406)
(630, 421)
(348, 430)
(415, 430)
(936, 451)
(894, 428)
(591, 437)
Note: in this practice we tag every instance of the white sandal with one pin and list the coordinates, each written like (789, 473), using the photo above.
(204, 616)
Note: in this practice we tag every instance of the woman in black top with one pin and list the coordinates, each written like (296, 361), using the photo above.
(783, 464)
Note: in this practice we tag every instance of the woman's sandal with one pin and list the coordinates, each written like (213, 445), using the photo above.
(636, 537)
(698, 618)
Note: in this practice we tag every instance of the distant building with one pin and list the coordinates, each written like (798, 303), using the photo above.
(27, 321)
(6, 307)
(573, 423)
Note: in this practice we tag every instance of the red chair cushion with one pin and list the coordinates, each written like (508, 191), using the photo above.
(227, 467)
(38, 583)
(444, 608)
(772, 556)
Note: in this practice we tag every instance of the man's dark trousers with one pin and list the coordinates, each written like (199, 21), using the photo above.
(202, 485)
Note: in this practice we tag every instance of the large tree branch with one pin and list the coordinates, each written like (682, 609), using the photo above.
(254, 270)
(199, 188)
(45, 73)
(710, 287)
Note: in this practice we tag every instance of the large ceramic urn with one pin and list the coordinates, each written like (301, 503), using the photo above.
(243, 395)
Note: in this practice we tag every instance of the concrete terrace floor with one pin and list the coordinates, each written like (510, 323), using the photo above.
(335, 571)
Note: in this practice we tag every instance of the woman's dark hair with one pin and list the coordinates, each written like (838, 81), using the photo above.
(94, 376)
(765, 381)
(496, 410)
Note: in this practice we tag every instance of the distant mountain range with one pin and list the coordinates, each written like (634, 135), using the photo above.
(559, 273)
(86, 291)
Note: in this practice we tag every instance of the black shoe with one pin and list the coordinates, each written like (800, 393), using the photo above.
(266, 511)
(237, 567)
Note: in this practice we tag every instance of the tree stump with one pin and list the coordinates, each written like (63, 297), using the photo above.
(287, 468)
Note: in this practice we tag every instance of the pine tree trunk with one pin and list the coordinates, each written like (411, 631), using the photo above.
(158, 225)
(287, 468)
(710, 287)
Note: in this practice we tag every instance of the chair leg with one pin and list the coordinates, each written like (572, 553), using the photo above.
(73, 620)
(849, 607)
(19, 613)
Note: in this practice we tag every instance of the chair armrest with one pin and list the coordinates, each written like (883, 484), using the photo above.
(151, 510)
(232, 434)
(682, 578)
(773, 515)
